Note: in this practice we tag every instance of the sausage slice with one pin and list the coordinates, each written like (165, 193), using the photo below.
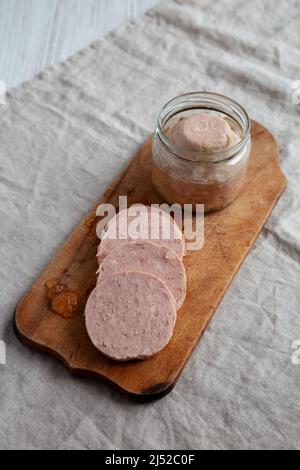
(150, 224)
(147, 257)
(130, 316)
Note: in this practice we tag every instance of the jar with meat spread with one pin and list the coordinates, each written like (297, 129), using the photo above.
(200, 150)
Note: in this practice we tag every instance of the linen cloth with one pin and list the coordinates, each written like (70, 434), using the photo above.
(64, 136)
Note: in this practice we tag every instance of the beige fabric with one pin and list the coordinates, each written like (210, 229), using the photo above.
(64, 136)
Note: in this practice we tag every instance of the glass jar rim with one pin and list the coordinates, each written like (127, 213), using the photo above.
(193, 100)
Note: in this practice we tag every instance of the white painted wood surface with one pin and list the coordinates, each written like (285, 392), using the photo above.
(37, 33)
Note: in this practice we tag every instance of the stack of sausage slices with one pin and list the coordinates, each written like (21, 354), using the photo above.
(141, 284)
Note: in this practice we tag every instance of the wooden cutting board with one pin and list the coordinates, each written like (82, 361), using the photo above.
(229, 234)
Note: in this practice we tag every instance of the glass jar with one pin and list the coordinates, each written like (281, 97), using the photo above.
(211, 177)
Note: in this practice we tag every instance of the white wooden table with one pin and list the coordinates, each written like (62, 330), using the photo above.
(37, 33)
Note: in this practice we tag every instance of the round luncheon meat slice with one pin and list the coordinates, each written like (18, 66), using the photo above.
(130, 316)
(147, 257)
(148, 223)
(202, 132)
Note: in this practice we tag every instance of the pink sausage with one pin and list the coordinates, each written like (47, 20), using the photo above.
(157, 227)
(130, 316)
(201, 132)
(147, 257)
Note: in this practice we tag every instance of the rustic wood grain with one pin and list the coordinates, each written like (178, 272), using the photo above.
(229, 234)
